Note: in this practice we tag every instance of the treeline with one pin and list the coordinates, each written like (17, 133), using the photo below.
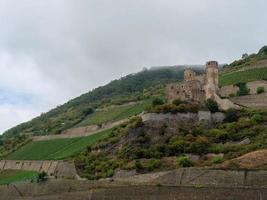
(128, 88)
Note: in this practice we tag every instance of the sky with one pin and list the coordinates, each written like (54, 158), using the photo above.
(54, 50)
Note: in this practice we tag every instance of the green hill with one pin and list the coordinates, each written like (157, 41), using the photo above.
(249, 68)
(134, 87)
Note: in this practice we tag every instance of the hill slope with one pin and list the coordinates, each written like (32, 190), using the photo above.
(126, 89)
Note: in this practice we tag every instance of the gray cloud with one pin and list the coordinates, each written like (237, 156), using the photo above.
(57, 49)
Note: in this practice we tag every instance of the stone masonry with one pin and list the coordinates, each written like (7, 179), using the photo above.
(199, 88)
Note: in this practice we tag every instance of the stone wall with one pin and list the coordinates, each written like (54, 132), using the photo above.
(202, 116)
(251, 101)
(52, 168)
(79, 131)
(227, 90)
(180, 184)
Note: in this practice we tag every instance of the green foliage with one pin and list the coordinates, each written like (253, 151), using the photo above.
(217, 160)
(152, 164)
(257, 118)
(55, 149)
(184, 161)
(243, 89)
(212, 105)
(260, 90)
(177, 102)
(157, 102)
(42, 177)
(138, 166)
(231, 115)
(13, 176)
(166, 108)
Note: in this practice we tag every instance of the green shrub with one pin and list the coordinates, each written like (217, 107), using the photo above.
(232, 95)
(42, 177)
(260, 90)
(177, 102)
(243, 89)
(219, 135)
(153, 164)
(256, 118)
(199, 146)
(231, 115)
(157, 102)
(138, 166)
(217, 160)
(184, 161)
(212, 105)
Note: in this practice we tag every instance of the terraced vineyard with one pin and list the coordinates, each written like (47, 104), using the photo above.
(115, 113)
(13, 176)
(55, 149)
(242, 76)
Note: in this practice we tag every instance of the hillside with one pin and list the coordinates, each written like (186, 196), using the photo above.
(249, 68)
(133, 87)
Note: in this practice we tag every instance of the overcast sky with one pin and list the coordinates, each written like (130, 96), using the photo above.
(54, 50)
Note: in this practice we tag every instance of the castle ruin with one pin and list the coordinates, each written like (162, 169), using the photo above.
(199, 88)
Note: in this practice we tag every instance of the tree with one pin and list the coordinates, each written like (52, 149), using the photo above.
(212, 105)
(157, 102)
(260, 90)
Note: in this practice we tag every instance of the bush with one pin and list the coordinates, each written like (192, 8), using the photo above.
(200, 145)
(212, 105)
(256, 118)
(177, 102)
(184, 161)
(138, 166)
(231, 115)
(243, 89)
(157, 102)
(42, 177)
(153, 164)
(260, 90)
(217, 160)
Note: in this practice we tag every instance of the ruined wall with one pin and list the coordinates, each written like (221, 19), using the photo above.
(226, 91)
(52, 168)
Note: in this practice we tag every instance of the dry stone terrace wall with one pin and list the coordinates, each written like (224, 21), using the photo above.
(227, 90)
(181, 184)
(251, 101)
(79, 131)
(62, 169)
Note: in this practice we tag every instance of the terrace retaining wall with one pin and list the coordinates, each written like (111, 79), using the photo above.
(61, 169)
(181, 184)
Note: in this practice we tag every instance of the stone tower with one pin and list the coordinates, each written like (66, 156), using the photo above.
(211, 79)
(189, 75)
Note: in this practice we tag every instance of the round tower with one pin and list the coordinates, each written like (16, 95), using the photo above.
(212, 79)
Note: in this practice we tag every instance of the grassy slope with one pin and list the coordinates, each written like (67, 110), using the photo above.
(55, 149)
(115, 113)
(242, 76)
(13, 176)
